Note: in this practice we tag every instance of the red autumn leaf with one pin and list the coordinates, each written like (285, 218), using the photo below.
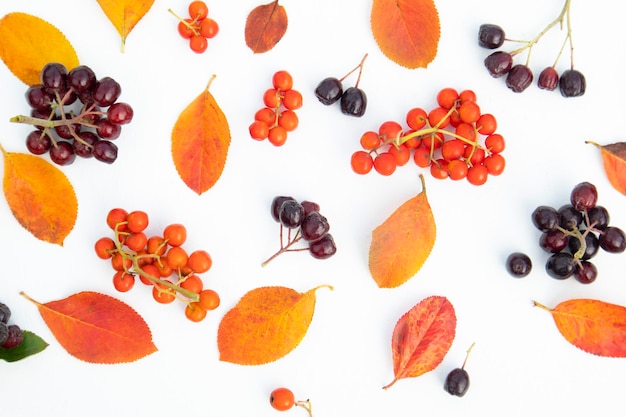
(614, 161)
(403, 242)
(265, 325)
(407, 31)
(200, 142)
(594, 326)
(97, 328)
(265, 27)
(422, 337)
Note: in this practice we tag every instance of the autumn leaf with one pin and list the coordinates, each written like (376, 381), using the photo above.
(402, 243)
(200, 142)
(40, 196)
(594, 326)
(125, 14)
(31, 345)
(97, 328)
(265, 27)
(614, 161)
(407, 31)
(422, 337)
(29, 43)
(266, 324)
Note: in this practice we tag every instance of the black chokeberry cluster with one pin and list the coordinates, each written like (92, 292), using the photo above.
(353, 100)
(575, 233)
(11, 335)
(303, 221)
(74, 114)
(519, 76)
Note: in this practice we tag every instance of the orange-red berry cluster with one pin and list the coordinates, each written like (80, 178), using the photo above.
(274, 121)
(198, 28)
(454, 140)
(159, 261)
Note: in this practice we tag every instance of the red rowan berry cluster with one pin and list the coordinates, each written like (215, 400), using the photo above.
(454, 140)
(274, 121)
(198, 28)
(159, 261)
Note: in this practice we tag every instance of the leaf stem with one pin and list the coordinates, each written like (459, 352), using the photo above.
(358, 67)
(538, 304)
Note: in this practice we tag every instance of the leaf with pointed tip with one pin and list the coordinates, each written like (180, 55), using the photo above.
(265, 27)
(31, 345)
(125, 14)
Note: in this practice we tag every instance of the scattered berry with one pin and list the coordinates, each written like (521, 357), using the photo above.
(283, 399)
(457, 381)
(519, 264)
(198, 28)
(74, 114)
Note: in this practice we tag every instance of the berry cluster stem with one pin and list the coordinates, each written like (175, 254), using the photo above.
(306, 405)
(358, 67)
(286, 247)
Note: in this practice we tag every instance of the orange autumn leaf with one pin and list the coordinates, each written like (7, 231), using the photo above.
(40, 196)
(614, 161)
(200, 142)
(29, 43)
(403, 242)
(422, 337)
(407, 31)
(594, 326)
(265, 26)
(125, 14)
(97, 328)
(266, 324)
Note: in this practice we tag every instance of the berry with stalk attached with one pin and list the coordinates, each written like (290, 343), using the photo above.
(458, 381)
(283, 399)
(198, 28)
(353, 100)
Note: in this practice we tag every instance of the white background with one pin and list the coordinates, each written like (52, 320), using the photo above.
(520, 364)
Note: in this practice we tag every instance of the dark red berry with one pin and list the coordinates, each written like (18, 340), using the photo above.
(490, 36)
(519, 78)
(572, 83)
(548, 79)
(499, 63)
(584, 196)
(518, 264)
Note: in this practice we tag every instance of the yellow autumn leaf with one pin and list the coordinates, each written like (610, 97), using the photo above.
(265, 325)
(40, 196)
(29, 43)
(125, 14)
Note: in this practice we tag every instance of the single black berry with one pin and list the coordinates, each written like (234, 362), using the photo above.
(592, 245)
(499, 63)
(545, 218)
(613, 240)
(519, 78)
(490, 36)
(276, 203)
(518, 264)
(314, 226)
(457, 382)
(561, 265)
(323, 248)
(570, 218)
(329, 90)
(584, 196)
(572, 83)
(553, 241)
(598, 217)
(353, 102)
(291, 214)
(586, 273)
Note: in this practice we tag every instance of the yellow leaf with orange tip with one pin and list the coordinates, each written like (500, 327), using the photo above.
(200, 142)
(125, 14)
(403, 242)
(407, 31)
(28, 43)
(40, 196)
(614, 161)
(265, 325)
(595, 326)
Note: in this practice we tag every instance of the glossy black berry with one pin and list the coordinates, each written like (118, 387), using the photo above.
(291, 214)
(570, 218)
(599, 217)
(490, 36)
(5, 313)
(457, 382)
(81, 79)
(105, 151)
(545, 218)
(519, 78)
(553, 241)
(309, 207)
(584, 196)
(329, 90)
(518, 264)
(498, 63)
(613, 240)
(548, 79)
(323, 248)
(592, 245)
(54, 78)
(586, 273)
(353, 102)
(561, 265)
(314, 226)
(276, 203)
(62, 153)
(572, 83)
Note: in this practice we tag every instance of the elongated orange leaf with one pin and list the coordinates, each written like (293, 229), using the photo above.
(40, 196)
(125, 14)
(28, 43)
(200, 142)
(422, 337)
(265, 27)
(402, 243)
(407, 31)
(594, 326)
(265, 325)
(97, 328)
(614, 161)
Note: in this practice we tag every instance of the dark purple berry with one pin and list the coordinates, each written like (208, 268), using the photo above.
(561, 265)
(553, 241)
(548, 79)
(54, 77)
(81, 79)
(38, 98)
(499, 63)
(329, 90)
(5, 313)
(323, 248)
(570, 218)
(353, 102)
(490, 36)
(105, 151)
(572, 83)
(277, 202)
(291, 214)
(106, 91)
(120, 113)
(613, 240)
(62, 153)
(15, 337)
(457, 382)
(518, 264)
(586, 272)
(314, 226)
(519, 78)
(592, 245)
(598, 217)
(84, 148)
(310, 207)
(584, 196)
(38, 143)
(545, 218)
